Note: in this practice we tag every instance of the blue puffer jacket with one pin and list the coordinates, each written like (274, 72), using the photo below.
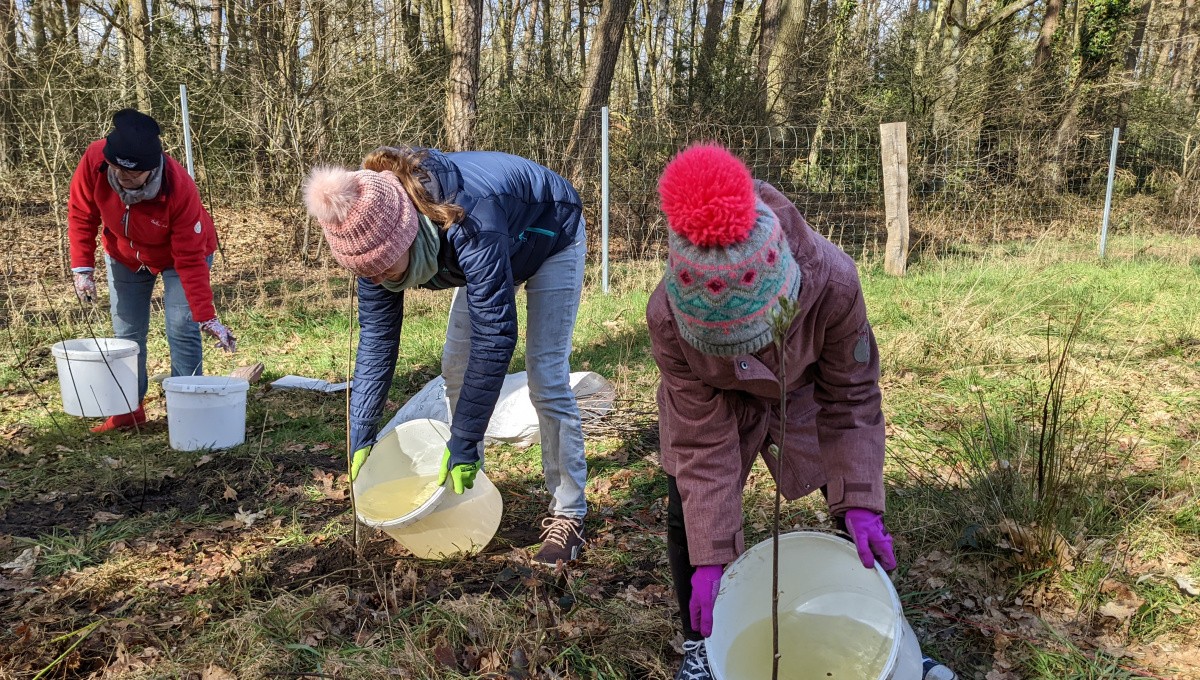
(518, 214)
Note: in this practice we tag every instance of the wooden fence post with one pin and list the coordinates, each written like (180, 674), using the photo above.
(893, 138)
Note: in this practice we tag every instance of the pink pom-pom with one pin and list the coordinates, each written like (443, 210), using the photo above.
(330, 193)
(708, 196)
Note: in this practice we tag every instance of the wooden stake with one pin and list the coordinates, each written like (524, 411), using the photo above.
(894, 152)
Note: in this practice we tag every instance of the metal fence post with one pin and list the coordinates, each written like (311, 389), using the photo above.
(1112, 171)
(187, 128)
(604, 198)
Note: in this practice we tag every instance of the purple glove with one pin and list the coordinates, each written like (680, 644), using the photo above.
(85, 286)
(705, 582)
(225, 339)
(871, 538)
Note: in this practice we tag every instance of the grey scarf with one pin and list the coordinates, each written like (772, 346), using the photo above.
(422, 257)
(143, 193)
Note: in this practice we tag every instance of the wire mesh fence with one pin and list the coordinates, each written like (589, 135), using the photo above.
(965, 187)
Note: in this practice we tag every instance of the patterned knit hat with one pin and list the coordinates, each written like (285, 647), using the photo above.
(368, 219)
(728, 262)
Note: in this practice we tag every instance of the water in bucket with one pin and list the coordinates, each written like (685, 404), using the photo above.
(395, 497)
(396, 490)
(836, 619)
(812, 647)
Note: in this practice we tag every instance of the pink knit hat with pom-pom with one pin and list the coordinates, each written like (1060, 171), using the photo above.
(728, 261)
(368, 219)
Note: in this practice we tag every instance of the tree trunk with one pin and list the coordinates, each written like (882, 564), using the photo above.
(1183, 54)
(506, 20)
(793, 16)
(1139, 36)
(448, 33)
(547, 42)
(768, 30)
(214, 38)
(529, 41)
(1045, 41)
(9, 140)
(598, 83)
(464, 75)
(137, 32)
(706, 78)
(841, 26)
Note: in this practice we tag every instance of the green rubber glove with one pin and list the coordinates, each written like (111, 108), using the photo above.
(360, 457)
(463, 474)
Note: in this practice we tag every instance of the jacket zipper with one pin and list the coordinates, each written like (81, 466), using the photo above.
(543, 232)
(136, 253)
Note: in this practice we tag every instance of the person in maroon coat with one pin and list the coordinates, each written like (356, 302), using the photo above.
(736, 246)
(148, 212)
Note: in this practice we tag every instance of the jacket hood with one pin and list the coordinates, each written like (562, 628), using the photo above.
(443, 180)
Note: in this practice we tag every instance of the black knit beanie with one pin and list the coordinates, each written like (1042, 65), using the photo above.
(133, 143)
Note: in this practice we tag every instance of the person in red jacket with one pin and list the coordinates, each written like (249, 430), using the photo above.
(736, 246)
(152, 223)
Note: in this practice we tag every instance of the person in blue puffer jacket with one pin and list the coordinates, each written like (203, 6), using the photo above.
(484, 223)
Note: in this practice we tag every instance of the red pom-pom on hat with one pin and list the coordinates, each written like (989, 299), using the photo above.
(708, 196)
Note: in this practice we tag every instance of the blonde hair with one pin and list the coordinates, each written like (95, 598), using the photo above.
(405, 164)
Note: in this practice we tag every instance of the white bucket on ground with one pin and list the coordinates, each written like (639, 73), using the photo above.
(206, 412)
(838, 621)
(430, 521)
(98, 376)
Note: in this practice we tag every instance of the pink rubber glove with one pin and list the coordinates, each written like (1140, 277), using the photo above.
(85, 286)
(705, 582)
(871, 538)
(224, 336)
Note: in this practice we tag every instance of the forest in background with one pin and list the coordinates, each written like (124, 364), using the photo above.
(1010, 106)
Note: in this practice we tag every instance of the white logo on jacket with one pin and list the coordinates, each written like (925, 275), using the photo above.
(198, 227)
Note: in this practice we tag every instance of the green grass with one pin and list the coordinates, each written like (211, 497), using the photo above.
(301, 592)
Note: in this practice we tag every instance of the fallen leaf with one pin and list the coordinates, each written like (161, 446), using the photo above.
(230, 494)
(62, 449)
(25, 562)
(103, 517)
(1187, 584)
(248, 518)
(215, 672)
(113, 463)
(302, 567)
(202, 460)
(444, 654)
(320, 447)
(1117, 611)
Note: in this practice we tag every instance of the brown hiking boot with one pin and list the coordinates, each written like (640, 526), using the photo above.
(562, 539)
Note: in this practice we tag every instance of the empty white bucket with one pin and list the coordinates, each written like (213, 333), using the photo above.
(206, 412)
(838, 621)
(396, 490)
(98, 376)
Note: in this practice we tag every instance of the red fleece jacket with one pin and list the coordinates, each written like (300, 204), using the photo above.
(170, 231)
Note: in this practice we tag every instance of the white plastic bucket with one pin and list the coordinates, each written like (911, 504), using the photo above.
(839, 621)
(446, 523)
(206, 412)
(98, 376)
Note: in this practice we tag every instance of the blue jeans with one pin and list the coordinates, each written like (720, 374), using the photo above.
(552, 303)
(129, 301)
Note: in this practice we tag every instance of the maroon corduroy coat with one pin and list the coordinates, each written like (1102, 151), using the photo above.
(717, 414)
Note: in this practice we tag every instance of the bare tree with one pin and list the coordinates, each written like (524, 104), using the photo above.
(9, 141)
(598, 84)
(461, 107)
(136, 34)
